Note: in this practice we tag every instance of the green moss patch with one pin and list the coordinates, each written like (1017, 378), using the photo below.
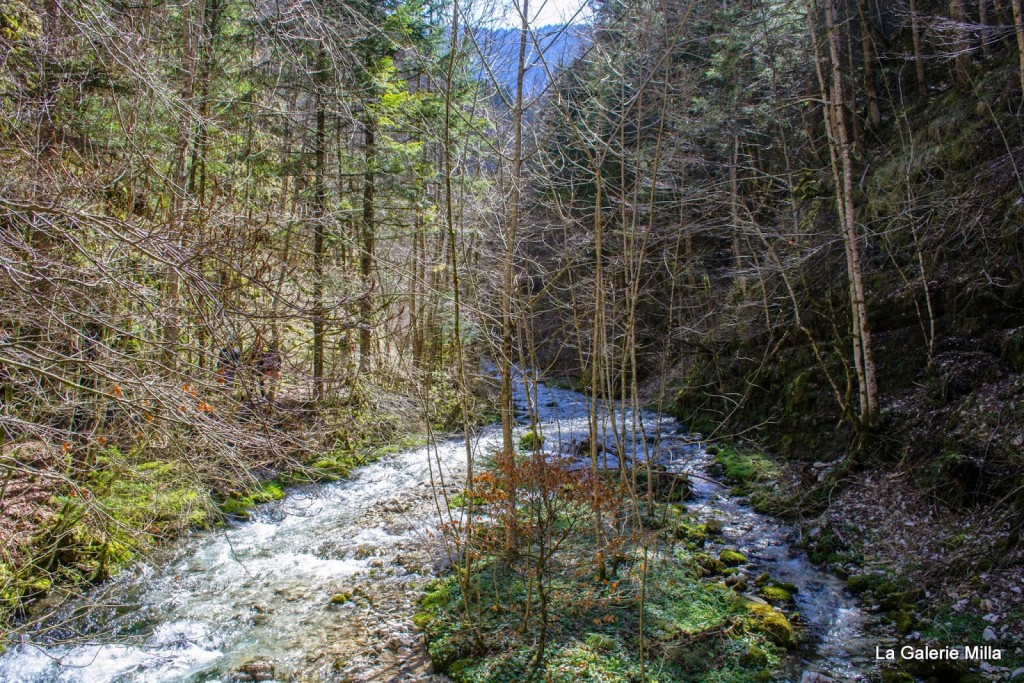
(695, 627)
(239, 504)
(732, 558)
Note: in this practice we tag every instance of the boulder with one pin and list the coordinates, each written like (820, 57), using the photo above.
(732, 558)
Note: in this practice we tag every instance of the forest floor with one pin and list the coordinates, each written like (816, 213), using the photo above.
(942, 577)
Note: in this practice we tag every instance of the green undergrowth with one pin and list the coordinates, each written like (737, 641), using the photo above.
(339, 462)
(750, 473)
(238, 505)
(966, 627)
(696, 628)
(904, 606)
(123, 505)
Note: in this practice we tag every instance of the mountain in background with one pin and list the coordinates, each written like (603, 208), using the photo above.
(499, 50)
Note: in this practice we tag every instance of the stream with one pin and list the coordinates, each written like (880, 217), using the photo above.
(322, 586)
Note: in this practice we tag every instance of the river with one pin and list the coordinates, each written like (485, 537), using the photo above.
(323, 584)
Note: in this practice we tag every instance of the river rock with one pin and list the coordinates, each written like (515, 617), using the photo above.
(815, 677)
(713, 526)
(258, 670)
(732, 558)
(583, 448)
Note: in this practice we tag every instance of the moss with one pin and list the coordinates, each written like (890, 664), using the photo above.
(771, 622)
(694, 535)
(745, 467)
(785, 585)
(531, 441)
(714, 526)
(825, 548)
(457, 670)
(423, 619)
(341, 598)
(860, 583)
(707, 565)
(238, 505)
(732, 558)
(691, 627)
(906, 621)
(39, 585)
(459, 500)
(600, 641)
(754, 657)
(896, 676)
(775, 595)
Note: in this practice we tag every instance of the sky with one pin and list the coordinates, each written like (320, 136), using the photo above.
(542, 12)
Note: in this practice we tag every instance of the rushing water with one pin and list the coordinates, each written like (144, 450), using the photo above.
(253, 601)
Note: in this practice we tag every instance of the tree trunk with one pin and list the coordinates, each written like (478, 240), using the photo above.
(193, 11)
(863, 357)
(841, 157)
(319, 220)
(508, 284)
(915, 28)
(867, 43)
(1018, 23)
(958, 13)
(367, 237)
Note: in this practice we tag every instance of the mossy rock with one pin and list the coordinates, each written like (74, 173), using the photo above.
(422, 620)
(899, 599)
(784, 585)
(691, 534)
(875, 583)
(238, 505)
(906, 621)
(771, 622)
(732, 558)
(754, 657)
(707, 565)
(737, 583)
(267, 492)
(341, 598)
(714, 526)
(531, 441)
(896, 676)
(775, 595)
